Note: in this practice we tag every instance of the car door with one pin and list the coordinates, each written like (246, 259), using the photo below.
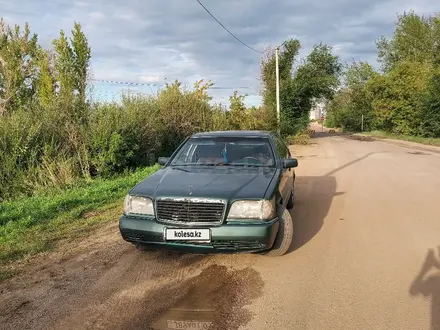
(290, 172)
(285, 186)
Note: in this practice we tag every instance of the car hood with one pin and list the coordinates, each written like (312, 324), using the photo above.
(225, 183)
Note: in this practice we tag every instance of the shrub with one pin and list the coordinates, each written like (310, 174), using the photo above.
(301, 138)
(123, 136)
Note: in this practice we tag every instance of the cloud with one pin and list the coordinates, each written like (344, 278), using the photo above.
(148, 41)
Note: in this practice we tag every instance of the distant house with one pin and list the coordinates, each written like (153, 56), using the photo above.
(318, 109)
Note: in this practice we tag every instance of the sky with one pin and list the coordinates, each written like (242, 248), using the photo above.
(141, 44)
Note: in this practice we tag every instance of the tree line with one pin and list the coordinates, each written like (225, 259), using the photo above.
(403, 95)
(53, 134)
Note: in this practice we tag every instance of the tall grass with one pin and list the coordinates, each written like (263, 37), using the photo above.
(29, 225)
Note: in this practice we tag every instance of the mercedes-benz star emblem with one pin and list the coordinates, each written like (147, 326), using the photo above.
(190, 189)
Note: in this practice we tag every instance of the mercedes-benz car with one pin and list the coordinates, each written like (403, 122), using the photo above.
(226, 191)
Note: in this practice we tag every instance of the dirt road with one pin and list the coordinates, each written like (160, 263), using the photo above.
(366, 256)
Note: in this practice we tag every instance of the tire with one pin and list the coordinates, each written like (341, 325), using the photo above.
(284, 238)
(291, 202)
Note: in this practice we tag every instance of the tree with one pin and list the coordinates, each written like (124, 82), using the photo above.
(45, 85)
(286, 59)
(339, 110)
(357, 76)
(65, 73)
(352, 100)
(430, 121)
(404, 98)
(317, 77)
(398, 97)
(416, 39)
(72, 63)
(18, 66)
(71, 73)
(81, 58)
(237, 111)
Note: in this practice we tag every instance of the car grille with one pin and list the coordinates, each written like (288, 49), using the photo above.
(190, 211)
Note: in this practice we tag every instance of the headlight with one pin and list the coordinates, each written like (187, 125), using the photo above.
(262, 210)
(138, 205)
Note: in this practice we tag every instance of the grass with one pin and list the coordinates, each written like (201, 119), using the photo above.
(32, 225)
(417, 139)
(301, 138)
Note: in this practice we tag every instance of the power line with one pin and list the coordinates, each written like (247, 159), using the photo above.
(134, 83)
(206, 9)
(214, 87)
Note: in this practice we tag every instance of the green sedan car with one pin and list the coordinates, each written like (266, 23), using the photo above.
(219, 192)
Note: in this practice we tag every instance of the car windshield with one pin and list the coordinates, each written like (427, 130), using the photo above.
(223, 151)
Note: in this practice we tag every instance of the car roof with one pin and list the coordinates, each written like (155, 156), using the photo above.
(247, 134)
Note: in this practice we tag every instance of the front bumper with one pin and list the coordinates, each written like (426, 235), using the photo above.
(227, 238)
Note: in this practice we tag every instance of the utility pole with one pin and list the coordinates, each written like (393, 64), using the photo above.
(277, 73)
(362, 123)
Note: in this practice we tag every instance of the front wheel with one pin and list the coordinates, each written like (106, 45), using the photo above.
(284, 238)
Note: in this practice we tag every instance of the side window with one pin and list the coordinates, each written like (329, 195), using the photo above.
(281, 147)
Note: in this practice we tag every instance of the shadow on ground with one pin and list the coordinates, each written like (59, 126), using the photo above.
(351, 136)
(324, 134)
(313, 198)
(429, 286)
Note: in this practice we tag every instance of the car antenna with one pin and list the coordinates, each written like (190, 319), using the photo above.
(225, 153)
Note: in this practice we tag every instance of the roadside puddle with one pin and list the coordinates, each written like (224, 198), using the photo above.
(214, 299)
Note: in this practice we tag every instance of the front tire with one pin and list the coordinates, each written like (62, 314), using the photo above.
(284, 238)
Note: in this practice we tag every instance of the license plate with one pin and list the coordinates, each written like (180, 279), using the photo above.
(177, 234)
(196, 325)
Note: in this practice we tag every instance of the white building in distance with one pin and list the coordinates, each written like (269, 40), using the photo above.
(318, 109)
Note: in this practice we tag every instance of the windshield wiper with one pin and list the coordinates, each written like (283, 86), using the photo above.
(197, 164)
(247, 165)
(220, 164)
(180, 169)
(240, 165)
(213, 164)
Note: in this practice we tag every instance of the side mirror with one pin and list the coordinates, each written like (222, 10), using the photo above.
(163, 160)
(290, 162)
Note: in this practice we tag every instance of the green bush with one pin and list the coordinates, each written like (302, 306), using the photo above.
(300, 138)
(291, 126)
(123, 136)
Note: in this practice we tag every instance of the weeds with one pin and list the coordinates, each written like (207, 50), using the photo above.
(417, 139)
(301, 138)
(31, 225)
